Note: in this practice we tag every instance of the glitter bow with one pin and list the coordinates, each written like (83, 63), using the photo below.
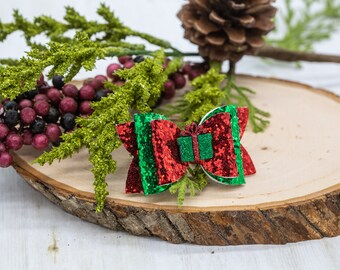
(162, 152)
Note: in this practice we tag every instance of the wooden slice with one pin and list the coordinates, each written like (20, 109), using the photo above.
(293, 197)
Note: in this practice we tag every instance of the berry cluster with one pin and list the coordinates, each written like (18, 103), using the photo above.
(40, 116)
(175, 81)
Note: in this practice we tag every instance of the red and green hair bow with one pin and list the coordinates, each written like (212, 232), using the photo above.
(162, 152)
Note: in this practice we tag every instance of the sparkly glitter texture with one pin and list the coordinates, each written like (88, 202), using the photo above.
(159, 149)
(235, 128)
(186, 150)
(127, 135)
(147, 162)
(166, 151)
(205, 146)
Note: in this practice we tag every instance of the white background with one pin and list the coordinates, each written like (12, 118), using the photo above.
(35, 234)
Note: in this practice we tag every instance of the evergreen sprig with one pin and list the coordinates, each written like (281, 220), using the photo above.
(64, 58)
(208, 93)
(111, 30)
(143, 87)
(193, 181)
(312, 22)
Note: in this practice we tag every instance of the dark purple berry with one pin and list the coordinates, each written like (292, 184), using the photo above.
(179, 80)
(5, 160)
(11, 118)
(125, 58)
(68, 105)
(41, 107)
(58, 81)
(87, 92)
(40, 141)
(57, 143)
(19, 98)
(138, 59)
(4, 130)
(53, 132)
(27, 137)
(100, 94)
(27, 116)
(31, 94)
(52, 116)
(85, 107)
(14, 141)
(67, 121)
(10, 105)
(38, 126)
(25, 103)
(54, 95)
(111, 69)
(70, 90)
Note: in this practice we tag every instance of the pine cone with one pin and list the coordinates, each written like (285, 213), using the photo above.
(227, 29)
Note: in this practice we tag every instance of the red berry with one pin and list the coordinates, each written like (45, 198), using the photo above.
(14, 141)
(40, 141)
(68, 105)
(186, 69)
(125, 58)
(2, 147)
(129, 64)
(179, 80)
(70, 90)
(101, 78)
(25, 103)
(41, 80)
(169, 85)
(194, 74)
(40, 97)
(5, 160)
(111, 69)
(4, 130)
(53, 132)
(27, 137)
(41, 107)
(54, 95)
(28, 115)
(85, 108)
(86, 92)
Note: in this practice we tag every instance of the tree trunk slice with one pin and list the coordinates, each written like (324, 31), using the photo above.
(293, 197)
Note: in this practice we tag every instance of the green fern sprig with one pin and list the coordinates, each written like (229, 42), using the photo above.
(192, 182)
(143, 86)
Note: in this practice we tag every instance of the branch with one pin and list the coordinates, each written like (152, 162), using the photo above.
(294, 56)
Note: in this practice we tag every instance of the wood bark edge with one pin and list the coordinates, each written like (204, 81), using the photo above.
(306, 220)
